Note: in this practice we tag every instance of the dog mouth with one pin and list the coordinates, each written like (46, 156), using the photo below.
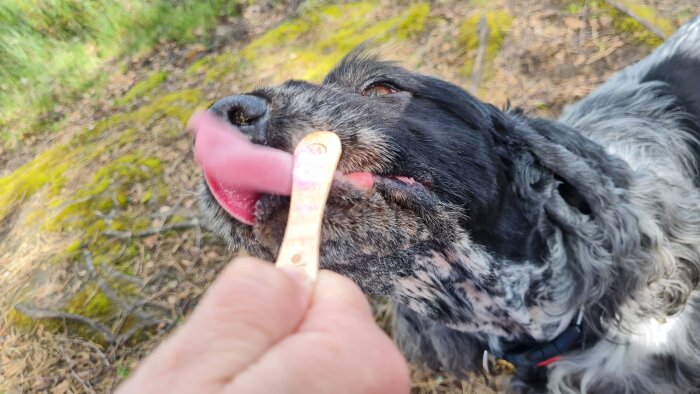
(238, 172)
(240, 202)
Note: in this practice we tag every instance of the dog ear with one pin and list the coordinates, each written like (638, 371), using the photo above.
(587, 214)
(573, 196)
(588, 177)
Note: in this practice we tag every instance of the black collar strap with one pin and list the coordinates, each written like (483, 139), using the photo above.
(539, 354)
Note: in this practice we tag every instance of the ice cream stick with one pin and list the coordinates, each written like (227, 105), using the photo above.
(315, 161)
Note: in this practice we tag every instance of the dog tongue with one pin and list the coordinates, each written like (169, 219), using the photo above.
(235, 169)
(238, 171)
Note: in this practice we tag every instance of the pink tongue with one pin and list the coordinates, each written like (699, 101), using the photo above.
(238, 171)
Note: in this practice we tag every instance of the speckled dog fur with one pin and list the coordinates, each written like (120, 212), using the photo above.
(515, 223)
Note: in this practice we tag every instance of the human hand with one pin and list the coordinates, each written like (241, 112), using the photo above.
(260, 329)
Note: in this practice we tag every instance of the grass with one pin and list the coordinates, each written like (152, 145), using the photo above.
(52, 50)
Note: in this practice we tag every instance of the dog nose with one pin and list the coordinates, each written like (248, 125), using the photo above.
(248, 113)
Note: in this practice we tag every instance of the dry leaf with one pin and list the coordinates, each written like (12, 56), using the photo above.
(605, 20)
(61, 388)
(13, 368)
(573, 23)
(193, 51)
(151, 241)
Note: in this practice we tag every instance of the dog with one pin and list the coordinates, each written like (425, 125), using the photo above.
(568, 249)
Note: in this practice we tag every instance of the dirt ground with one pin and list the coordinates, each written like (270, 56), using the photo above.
(101, 249)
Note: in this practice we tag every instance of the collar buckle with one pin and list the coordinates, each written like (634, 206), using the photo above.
(539, 354)
(495, 366)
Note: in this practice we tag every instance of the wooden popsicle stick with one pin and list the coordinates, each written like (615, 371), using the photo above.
(315, 160)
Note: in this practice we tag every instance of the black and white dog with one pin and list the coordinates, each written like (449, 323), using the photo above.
(570, 247)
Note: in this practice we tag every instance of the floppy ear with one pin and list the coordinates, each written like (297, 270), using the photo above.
(588, 177)
(594, 156)
(592, 227)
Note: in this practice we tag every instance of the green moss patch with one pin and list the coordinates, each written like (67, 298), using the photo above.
(143, 88)
(91, 302)
(46, 169)
(52, 168)
(499, 23)
(309, 46)
(632, 29)
(108, 188)
(635, 29)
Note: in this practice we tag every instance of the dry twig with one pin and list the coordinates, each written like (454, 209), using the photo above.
(92, 346)
(648, 25)
(483, 31)
(39, 313)
(139, 326)
(105, 288)
(194, 223)
(71, 365)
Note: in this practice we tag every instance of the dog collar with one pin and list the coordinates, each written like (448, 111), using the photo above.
(528, 357)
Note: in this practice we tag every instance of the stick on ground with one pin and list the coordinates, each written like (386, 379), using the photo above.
(39, 313)
(647, 25)
(483, 31)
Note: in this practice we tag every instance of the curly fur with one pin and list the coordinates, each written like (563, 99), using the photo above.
(515, 223)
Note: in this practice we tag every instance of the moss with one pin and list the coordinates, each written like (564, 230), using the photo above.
(352, 29)
(178, 105)
(575, 8)
(638, 31)
(291, 30)
(199, 65)
(143, 88)
(109, 185)
(92, 303)
(128, 136)
(147, 197)
(73, 247)
(162, 192)
(313, 43)
(499, 23)
(13, 317)
(89, 302)
(47, 168)
(123, 371)
(632, 29)
(130, 223)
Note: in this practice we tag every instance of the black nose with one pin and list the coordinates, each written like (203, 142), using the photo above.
(248, 113)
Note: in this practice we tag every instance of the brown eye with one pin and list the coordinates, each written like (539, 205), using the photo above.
(378, 89)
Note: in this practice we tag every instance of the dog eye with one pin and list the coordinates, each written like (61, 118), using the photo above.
(378, 89)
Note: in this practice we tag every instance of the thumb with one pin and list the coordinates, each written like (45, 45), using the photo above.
(248, 309)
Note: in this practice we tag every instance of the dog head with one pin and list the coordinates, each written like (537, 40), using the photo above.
(439, 205)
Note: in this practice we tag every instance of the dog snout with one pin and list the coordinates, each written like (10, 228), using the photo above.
(249, 113)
